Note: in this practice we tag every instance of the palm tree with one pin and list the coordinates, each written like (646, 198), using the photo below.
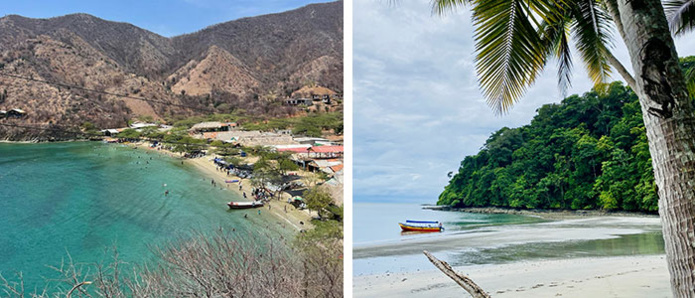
(515, 40)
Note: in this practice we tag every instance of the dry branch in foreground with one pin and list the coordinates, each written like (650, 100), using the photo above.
(464, 281)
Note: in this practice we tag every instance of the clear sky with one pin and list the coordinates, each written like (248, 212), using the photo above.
(164, 17)
(418, 110)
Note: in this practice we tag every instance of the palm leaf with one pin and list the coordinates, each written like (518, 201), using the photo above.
(591, 30)
(510, 53)
(680, 15)
(441, 7)
(555, 37)
(690, 81)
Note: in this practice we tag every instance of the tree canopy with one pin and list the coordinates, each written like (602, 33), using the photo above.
(588, 152)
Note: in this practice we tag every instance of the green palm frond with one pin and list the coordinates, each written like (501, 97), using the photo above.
(591, 30)
(690, 81)
(555, 37)
(680, 15)
(515, 39)
(441, 7)
(510, 53)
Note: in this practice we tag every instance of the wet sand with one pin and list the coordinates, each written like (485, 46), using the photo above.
(631, 276)
(593, 228)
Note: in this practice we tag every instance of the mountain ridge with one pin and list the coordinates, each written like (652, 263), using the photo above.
(246, 64)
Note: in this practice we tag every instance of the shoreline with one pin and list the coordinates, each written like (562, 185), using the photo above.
(545, 213)
(293, 219)
(44, 141)
(552, 231)
(625, 276)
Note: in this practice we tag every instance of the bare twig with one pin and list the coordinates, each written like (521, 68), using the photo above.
(464, 281)
(77, 286)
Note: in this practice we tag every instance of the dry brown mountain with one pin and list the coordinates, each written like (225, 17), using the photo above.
(222, 67)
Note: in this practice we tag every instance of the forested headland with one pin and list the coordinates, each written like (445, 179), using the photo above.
(588, 152)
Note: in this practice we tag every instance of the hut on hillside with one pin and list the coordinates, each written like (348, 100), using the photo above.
(212, 126)
(16, 113)
(299, 101)
(316, 93)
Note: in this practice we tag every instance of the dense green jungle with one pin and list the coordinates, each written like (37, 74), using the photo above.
(587, 152)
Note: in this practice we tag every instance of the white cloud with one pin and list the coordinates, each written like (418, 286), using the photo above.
(417, 106)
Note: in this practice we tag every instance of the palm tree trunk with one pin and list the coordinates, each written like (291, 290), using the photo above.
(670, 125)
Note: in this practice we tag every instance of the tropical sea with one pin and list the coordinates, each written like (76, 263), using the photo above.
(83, 198)
(478, 239)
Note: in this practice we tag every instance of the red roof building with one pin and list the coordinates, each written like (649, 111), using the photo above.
(327, 149)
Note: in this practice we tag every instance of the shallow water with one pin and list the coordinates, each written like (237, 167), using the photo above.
(475, 239)
(377, 223)
(85, 197)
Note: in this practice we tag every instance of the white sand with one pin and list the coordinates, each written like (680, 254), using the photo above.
(631, 276)
(627, 276)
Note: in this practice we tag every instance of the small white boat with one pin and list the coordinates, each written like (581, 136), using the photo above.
(245, 205)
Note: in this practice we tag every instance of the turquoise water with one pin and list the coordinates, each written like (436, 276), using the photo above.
(85, 197)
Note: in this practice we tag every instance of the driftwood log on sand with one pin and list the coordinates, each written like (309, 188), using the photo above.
(464, 281)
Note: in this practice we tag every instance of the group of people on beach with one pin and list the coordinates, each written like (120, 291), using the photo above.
(262, 194)
(222, 168)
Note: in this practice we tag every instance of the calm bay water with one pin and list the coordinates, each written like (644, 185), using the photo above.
(476, 239)
(85, 197)
(377, 223)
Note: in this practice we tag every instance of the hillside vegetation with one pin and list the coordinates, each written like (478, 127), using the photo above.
(250, 65)
(588, 152)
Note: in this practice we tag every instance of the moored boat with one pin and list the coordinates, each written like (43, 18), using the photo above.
(244, 205)
(421, 226)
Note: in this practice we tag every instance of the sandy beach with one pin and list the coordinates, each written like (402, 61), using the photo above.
(295, 218)
(575, 256)
(288, 216)
(630, 276)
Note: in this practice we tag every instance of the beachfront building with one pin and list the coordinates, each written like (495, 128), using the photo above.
(325, 165)
(314, 152)
(212, 126)
(291, 148)
(140, 125)
(326, 152)
(111, 132)
(313, 141)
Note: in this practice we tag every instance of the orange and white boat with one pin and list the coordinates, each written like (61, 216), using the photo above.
(421, 226)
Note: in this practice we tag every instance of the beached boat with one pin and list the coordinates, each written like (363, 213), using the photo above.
(421, 226)
(244, 205)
